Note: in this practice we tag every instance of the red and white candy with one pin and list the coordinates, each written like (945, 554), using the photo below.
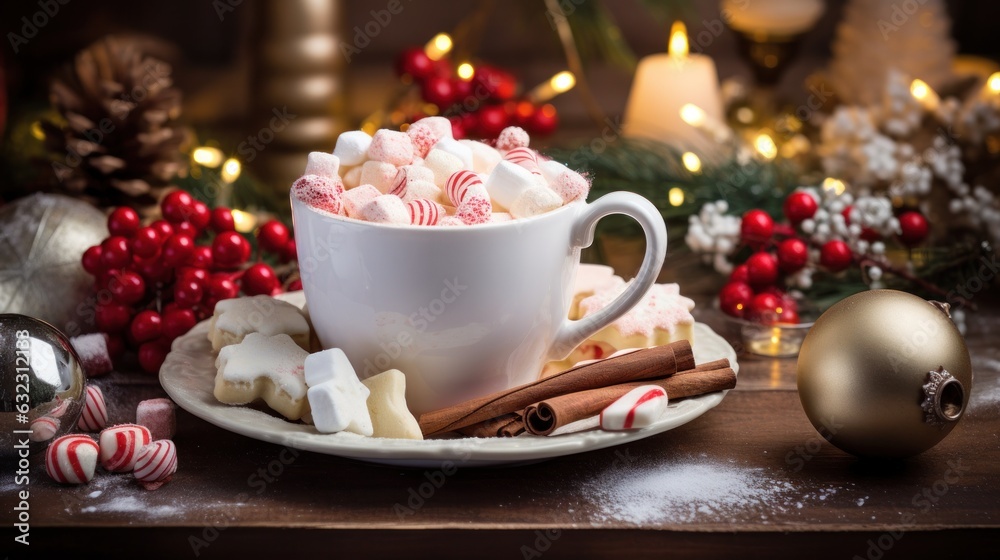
(476, 208)
(95, 411)
(323, 193)
(424, 212)
(638, 408)
(71, 459)
(511, 138)
(565, 182)
(44, 428)
(525, 157)
(120, 446)
(155, 464)
(458, 185)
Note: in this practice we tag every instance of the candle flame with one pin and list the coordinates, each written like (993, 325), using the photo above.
(994, 83)
(693, 115)
(920, 90)
(439, 46)
(678, 45)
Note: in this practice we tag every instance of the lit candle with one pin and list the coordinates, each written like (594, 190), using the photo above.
(560, 83)
(664, 83)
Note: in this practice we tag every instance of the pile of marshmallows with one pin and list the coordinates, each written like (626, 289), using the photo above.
(425, 177)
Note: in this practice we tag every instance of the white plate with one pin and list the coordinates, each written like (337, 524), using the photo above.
(188, 376)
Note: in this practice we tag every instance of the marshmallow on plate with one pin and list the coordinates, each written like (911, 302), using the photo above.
(638, 408)
(352, 147)
(391, 146)
(323, 164)
(387, 407)
(336, 397)
(157, 415)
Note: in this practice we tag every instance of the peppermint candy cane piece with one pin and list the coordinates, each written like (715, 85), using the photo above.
(120, 446)
(44, 428)
(525, 157)
(638, 408)
(155, 464)
(458, 185)
(424, 212)
(95, 411)
(72, 459)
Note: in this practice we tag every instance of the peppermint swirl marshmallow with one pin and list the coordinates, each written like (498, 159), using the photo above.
(72, 459)
(95, 411)
(120, 446)
(638, 408)
(155, 464)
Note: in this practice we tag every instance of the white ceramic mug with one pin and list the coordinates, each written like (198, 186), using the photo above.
(461, 311)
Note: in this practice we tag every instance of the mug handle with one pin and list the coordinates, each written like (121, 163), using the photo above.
(572, 333)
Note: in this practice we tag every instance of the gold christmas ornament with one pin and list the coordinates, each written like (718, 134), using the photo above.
(884, 373)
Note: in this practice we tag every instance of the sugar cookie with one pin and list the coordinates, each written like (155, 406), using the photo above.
(264, 367)
(235, 318)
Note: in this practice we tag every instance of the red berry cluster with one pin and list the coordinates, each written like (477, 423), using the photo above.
(482, 105)
(154, 282)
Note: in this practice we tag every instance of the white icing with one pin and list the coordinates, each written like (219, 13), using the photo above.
(262, 314)
(276, 357)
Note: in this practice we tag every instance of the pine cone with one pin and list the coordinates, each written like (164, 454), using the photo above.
(121, 141)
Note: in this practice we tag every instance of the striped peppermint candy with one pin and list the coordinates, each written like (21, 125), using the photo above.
(525, 157)
(44, 428)
(398, 187)
(424, 212)
(120, 446)
(457, 186)
(95, 412)
(156, 463)
(638, 408)
(71, 459)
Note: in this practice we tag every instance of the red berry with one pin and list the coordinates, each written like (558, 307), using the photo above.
(259, 279)
(756, 228)
(762, 269)
(92, 261)
(187, 292)
(438, 90)
(146, 242)
(115, 253)
(146, 326)
(913, 228)
(200, 215)
(154, 270)
(177, 249)
(835, 255)
(111, 317)
(230, 249)
(543, 121)
(415, 63)
(201, 257)
(793, 254)
(163, 227)
(177, 322)
(462, 90)
(199, 275)
(222, 287)
(272, 236)
(116, 346)
(734, 298)
(799, 206)
(788, 315)
(492, 120)
(151, 356)
(186, 228)
(177, 207)
(123, 221)
(289, 251)
(127, 287)
(763, 308)
(740, 274)
(222, 220)
(295, 285)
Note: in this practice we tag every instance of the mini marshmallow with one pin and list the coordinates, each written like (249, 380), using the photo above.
(391, 146)
(387, 407)
(484, 156)
(476, 208)
(507, 181)
(422, 137)
(356, 199)
(416, 190)
(386, 209)
(72, 459)
(525, 157)
(457, 149)
(352, 147)
(458, 185)
(451, 221)
(424, 212)
(322, 164)
(319, 192)
(638, 408)
(379, 174)
(442, 164)
(352, 176)
(498, 217)
(338, 400)
(439, 125)
(157, 415)
(568, 184)
(534, 201)
(512, 137)
(418, 172)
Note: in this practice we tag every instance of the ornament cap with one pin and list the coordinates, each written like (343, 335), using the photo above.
(942, 307)
(943, 397)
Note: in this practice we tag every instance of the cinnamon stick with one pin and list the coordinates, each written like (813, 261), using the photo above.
(508, 425)
(544, 417)
(648, 363)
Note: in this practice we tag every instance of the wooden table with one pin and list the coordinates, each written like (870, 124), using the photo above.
(235, 495)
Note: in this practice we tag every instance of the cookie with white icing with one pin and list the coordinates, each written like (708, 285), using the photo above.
(264, 367)
(588, 280)
(235, 318)
(387, 407)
